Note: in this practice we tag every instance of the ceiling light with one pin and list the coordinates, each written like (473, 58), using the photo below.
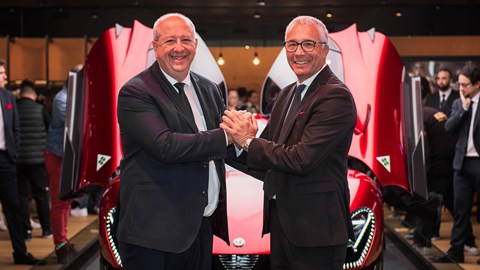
(220, 60)
(261, 3)
(257, 15)
(329, 15)
(398, 14)
(256, 60)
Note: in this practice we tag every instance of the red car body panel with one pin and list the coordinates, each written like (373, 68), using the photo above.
(372, 70)
(112, 61)
(374, 73)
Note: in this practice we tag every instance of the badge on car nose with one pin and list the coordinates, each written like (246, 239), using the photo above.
(238, 242)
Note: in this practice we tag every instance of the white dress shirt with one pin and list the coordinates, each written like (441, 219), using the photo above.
(471, 151)
(213, 180)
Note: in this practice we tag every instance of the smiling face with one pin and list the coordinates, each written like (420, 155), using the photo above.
(306, 64)
(175, 47)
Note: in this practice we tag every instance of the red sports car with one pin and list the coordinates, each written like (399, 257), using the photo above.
(381, 156)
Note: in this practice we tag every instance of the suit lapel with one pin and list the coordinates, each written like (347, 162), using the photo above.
(436, 100)
(3, 104)
(285, 107)
(168, 89)
(321, 78)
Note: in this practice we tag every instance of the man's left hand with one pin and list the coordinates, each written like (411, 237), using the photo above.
(240, 125)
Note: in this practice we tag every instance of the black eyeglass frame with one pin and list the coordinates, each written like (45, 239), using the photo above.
(301, 45)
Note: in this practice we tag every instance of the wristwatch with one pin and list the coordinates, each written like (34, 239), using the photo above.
(246, 144)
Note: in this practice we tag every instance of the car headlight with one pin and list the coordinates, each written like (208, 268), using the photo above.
(111, 225)
(363, 221)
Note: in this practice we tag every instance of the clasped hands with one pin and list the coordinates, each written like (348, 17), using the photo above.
(240, 126)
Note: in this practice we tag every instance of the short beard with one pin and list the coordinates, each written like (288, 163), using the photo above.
(443, 88)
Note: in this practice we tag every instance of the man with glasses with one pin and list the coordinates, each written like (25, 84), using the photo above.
(465, 122)
(303, 154)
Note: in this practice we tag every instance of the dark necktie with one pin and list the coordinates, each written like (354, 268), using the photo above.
(184, 107)
(290, 117)
(270, 185)
(442, 102)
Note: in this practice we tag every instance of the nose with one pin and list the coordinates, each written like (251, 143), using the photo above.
(178, 45)
(299, 50)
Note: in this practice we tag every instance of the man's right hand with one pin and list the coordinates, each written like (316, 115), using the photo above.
(240, 125)
(466, 100)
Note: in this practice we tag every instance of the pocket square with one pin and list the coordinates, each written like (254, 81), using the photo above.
(9, 106)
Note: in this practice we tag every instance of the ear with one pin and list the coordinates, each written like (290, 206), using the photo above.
(477, 84)
(326, 48)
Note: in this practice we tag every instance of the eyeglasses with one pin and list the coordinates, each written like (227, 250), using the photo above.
(307, 45)
(463, 85)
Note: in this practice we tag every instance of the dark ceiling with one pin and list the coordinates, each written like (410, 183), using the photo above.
(232, 21)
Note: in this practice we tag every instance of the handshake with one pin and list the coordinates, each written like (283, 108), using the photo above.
(240, 126)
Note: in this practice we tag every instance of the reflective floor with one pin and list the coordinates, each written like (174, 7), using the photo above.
(398, 254)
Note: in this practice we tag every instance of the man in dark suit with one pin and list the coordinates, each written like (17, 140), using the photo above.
(465, 122)
(304, 150)
(9, 196)
(443, 99)
(172, 194)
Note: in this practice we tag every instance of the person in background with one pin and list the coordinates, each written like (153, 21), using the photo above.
(252, 103)
(465, 123)
(174, 158)
(243, 97)
(442, 100)
(439, 151)
(34, 121)
(9, 196)
(53, 161)
(303, 151)
(233, 99)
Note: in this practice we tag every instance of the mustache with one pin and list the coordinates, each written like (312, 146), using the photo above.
(443, 87)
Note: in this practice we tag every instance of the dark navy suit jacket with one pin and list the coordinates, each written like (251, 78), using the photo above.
(459, 123)
(165, 170)
(11, 124)
(434, 101)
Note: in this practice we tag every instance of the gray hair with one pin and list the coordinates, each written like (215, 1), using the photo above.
(189, 22)
(309, 20)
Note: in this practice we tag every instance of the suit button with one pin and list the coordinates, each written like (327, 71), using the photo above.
(205, 165)
(204, 193)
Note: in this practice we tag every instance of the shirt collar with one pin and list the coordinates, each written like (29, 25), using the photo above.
(446, 93)
(476, 98)
(309, 81)
(173, 81)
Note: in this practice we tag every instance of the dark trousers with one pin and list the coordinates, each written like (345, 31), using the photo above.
(36, 177)
(285, 255)
(442, 184)
(11, 202)
(197, 257)
(465, 183)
